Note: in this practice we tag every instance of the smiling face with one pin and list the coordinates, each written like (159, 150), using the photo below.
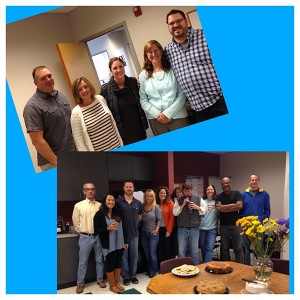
(254, 182)
(117, 70)
(89, 191)
(44, 81)
(110, 201)
(210, 192)
(84, 92)
(178, 26)
(154, 54)
(226, 185)
(162, 195)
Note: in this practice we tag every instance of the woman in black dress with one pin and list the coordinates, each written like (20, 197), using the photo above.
(122, 96)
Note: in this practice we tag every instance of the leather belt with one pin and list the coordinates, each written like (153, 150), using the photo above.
(89, 234)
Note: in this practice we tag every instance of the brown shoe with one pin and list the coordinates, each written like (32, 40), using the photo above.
(80, 288)
(102, 284)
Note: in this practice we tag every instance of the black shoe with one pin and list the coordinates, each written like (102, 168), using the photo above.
(126, 281)
(152, 275)
(134, 280)
(147, 273)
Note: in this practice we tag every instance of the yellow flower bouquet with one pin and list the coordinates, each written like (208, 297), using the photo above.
(266, 237)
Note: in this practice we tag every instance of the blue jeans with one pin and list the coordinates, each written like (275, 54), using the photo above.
(150, 242)
(188, 237)
(130, 259)
(207, 243)
(86, 243)
(231, 234)
(246, 249)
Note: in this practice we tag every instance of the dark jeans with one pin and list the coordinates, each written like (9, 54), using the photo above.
(164, 248)
(219, 108)
(231, 234)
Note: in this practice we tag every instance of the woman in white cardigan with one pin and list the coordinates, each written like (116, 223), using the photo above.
(93, 126)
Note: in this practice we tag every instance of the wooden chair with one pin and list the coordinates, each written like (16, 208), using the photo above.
(281, 265)
(167, 265)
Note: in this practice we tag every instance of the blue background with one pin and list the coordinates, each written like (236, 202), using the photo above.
(253, 52)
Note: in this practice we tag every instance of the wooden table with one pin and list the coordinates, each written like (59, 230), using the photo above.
(171, 284)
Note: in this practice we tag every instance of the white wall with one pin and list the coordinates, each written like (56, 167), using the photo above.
(273, 169)
(32, 42)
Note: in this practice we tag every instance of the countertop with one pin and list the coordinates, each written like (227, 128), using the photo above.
(66, 235)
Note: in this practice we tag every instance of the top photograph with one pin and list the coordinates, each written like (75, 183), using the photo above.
(101, 83)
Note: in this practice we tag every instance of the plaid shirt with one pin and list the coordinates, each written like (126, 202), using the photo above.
(194, 70)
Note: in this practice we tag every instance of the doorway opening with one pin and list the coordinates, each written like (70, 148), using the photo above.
(115, 42)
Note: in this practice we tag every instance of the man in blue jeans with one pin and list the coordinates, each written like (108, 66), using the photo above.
(229, 203)
(83, 220)
(131, 211)
(188, 210)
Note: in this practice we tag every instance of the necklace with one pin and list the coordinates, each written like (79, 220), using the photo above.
(159, 75)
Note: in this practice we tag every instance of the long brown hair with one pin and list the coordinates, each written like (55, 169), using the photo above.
(168, 198)
(148, 64)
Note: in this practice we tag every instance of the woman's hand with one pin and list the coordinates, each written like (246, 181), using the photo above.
(163, 119)
(126, 246)
(168, 234)
(113, 226)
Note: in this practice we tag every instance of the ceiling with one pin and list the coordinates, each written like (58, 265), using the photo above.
(62, 10)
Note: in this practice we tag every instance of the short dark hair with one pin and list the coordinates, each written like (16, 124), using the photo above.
(173, 12)
(128, 181)
(187, 186)
(36, 69)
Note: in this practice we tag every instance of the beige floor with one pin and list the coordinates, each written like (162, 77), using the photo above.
(95, 289)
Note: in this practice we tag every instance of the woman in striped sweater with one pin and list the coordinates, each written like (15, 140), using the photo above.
(93, 126)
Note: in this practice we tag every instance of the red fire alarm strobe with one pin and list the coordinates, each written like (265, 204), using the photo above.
(137, 11)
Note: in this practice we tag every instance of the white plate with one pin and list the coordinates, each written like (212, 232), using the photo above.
(186, 275)
(244, 291)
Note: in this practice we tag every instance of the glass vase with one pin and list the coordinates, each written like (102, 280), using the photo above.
(263, 268)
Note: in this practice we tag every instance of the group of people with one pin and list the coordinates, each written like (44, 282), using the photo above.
(113, 228)
(121, 113)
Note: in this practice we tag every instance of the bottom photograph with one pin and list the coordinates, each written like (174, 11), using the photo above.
(173, 222)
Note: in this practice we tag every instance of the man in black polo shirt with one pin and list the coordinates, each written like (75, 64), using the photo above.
(131, 211)
(229, 203)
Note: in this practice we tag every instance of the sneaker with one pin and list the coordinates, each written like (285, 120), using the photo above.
(126, 281)
(134, 280)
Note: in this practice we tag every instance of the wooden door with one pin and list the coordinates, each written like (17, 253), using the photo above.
(77, 62)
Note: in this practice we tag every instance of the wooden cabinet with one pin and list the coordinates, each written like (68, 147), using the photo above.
(76, 168)
(125, 167)
(68, 177)
(67, 263)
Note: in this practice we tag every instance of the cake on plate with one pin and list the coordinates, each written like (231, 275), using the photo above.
(211, 287)
(218, 267)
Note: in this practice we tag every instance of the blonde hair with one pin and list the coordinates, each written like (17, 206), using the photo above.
(151, 192)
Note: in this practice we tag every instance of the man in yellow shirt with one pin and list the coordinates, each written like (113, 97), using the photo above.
(83, 220)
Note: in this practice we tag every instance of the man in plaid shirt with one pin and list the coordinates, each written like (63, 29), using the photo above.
(191, 62)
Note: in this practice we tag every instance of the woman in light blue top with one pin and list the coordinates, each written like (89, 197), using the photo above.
(160, 94)
(208, 224)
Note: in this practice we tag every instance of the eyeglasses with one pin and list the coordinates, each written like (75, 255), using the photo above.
(175, 22)
(89, 190)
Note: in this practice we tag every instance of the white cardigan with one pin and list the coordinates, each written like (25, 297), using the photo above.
(79, 130)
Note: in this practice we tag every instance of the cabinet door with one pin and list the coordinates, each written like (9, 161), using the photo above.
(68, 257)
(93, 168)
(142, 168)
(119, 167)
(68, 179)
